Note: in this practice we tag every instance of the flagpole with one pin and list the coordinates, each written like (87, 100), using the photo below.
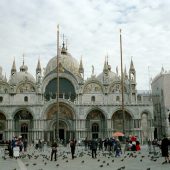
(122, 84)
(58, 109)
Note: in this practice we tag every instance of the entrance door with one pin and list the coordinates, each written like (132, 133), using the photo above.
(95, 136)
(95, 130)
(61, 134)
(1, 136)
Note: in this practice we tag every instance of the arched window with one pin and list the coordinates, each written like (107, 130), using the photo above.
(1, 99)
(95, 127)
(24, 127)
(93, 98)
(117, 98)
(26, 99)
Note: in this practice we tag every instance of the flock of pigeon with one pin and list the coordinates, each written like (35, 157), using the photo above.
(37, 160)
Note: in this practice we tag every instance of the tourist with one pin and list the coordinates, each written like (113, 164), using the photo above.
(94, 148)
(164, 149)
(54, 151)
(73, 147)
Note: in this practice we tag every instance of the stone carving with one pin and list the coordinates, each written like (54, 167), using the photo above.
(92, 87)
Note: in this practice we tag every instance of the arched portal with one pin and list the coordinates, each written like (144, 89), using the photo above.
(96, 124)
(117, 122)
(23, 122)
(66, 122)
(2, 125)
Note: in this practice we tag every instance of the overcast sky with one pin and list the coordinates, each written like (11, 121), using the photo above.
(92, 29)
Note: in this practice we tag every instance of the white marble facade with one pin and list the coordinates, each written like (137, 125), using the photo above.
(87, 108)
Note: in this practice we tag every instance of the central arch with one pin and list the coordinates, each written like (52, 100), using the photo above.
(66, 122)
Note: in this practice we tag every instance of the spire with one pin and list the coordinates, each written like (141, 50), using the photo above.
(162, 69)
(38, 69)
(13, 69)
(23, 59)
(81, 69)
(105, 68)
(23, 68)
(63, 50)
(125, 74)
(131, 65)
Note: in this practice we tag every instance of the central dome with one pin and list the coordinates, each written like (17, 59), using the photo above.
(67, 61)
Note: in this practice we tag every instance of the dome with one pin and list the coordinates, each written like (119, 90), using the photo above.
(21, 76)
(67, 61)
(112, 76)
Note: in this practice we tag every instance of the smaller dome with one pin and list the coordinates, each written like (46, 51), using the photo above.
(111, 75)
(21, 76)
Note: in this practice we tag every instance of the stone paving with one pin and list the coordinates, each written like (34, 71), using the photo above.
(38, 160)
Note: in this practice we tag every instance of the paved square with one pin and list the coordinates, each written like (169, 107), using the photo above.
(36, 160)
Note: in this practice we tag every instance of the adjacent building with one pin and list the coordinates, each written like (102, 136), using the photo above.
(161, 103)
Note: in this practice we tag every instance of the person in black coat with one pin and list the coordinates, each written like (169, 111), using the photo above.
(164, 149)
(73, 147)
(54, 151)
(94, 148)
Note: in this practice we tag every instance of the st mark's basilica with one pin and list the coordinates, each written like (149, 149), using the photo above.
(89, 107)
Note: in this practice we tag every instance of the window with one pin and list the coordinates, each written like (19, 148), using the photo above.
(117, 98)
(136, 123)
(95, 127)
(1, 98)
(93, 98)
(139, 98)
(26, 98)
(24, 127)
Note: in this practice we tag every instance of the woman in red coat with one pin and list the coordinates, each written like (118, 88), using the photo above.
(138, 146)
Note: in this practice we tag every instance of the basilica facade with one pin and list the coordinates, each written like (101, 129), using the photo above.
(89, 107)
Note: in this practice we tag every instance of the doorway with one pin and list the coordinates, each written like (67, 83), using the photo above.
(61, 134)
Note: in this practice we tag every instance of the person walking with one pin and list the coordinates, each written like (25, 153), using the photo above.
(164, 149)
(73, 147)
(54, 151)
(94, 148)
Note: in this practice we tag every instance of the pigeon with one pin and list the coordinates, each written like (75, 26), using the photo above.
(123, 167)
(107, 164)
(98, 160)
(82, 161)
(101, 165)
(57, 165)
(113, 160)
(148, 169)
(34, 164)
(26, 164)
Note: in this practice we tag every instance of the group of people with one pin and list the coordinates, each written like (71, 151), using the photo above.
(19, 143)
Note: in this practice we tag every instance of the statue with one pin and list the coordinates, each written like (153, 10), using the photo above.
(92, 70)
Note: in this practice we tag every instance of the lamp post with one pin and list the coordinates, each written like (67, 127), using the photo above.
(122, 83)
